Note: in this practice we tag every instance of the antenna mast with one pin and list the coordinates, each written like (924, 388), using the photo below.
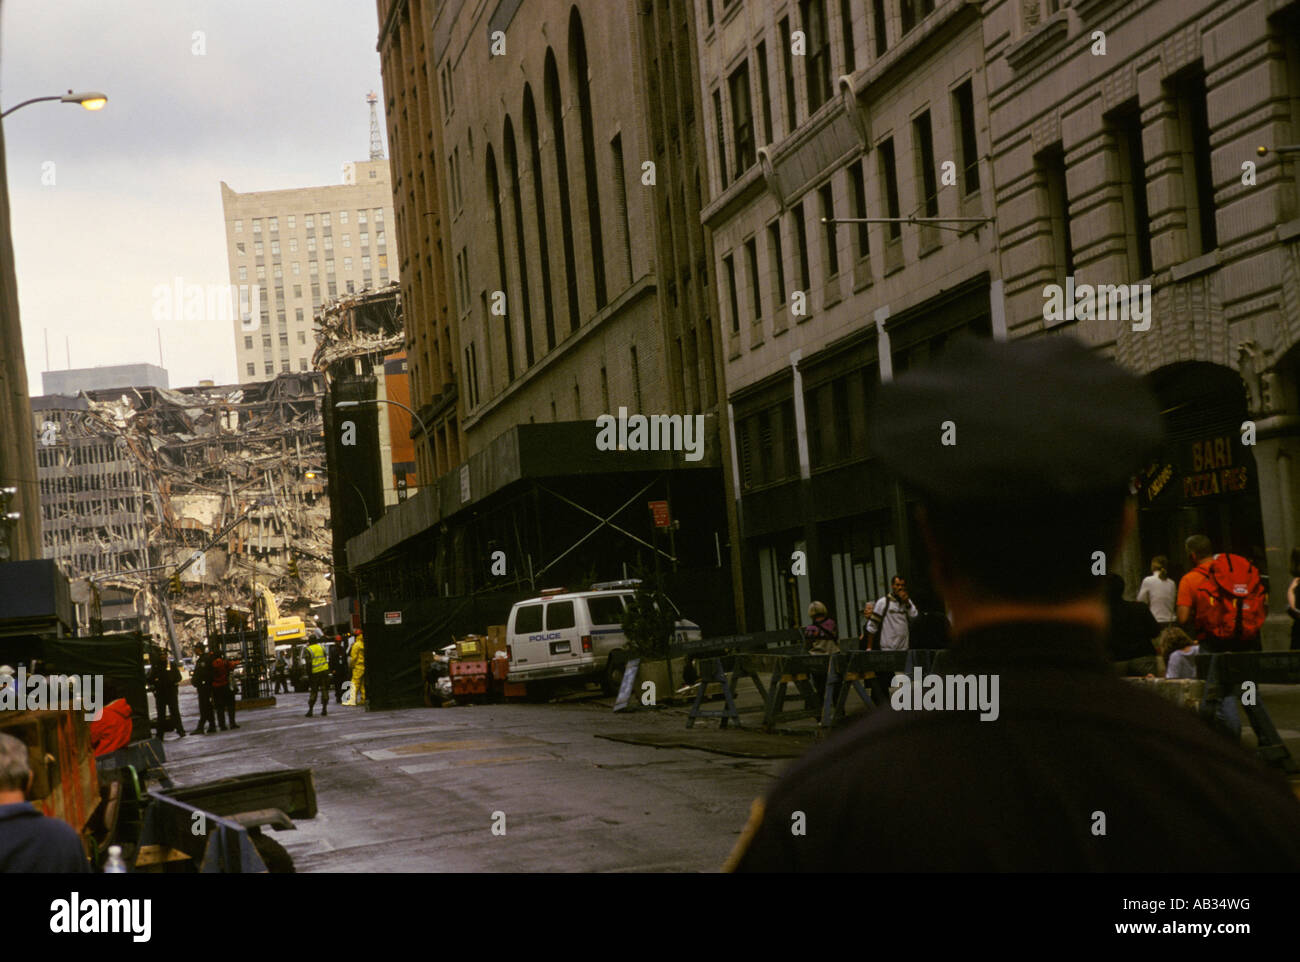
(376, 144)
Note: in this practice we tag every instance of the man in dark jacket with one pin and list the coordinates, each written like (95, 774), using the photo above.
(338, 667)
(1061, 766)
(202, 681)
(29, 841)
(164, 678)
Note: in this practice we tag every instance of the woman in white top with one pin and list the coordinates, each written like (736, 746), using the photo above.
(1159, 591)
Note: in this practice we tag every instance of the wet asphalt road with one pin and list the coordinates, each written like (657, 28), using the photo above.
(417, 790)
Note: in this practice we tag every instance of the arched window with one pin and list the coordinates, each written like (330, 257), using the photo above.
(494, 197)
(535, 160)
(555, 113)
(578, 70)
(521, 249)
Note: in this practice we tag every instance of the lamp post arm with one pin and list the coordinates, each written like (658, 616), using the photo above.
(34, 100)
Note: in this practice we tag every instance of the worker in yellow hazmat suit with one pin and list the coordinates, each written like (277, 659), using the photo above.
(357, 696)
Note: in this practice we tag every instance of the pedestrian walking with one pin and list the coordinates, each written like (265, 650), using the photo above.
(1292, 608)
(319, 681)
(889, 627)
(1158, 592)
(223, 691)
(165, 678)
(338, 667)
(201, 679)
(1050, 435)
(1133, 630)
(280, 674)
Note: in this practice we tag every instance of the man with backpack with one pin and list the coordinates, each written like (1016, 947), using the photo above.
(1222, 602)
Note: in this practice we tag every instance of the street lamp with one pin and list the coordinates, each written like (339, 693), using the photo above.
(381, 400)
(89, 99)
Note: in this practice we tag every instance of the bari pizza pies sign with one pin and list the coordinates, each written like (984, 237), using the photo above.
(1203, 469)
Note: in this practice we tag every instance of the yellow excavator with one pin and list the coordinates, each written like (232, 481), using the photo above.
(280, 629)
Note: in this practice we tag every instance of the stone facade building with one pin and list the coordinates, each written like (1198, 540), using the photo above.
(1125, 144)
(824, 110)
(301, 247)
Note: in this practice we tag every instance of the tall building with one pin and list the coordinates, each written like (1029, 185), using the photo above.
(20, 540)
(301, 247)
(73, 381)
(1125, 144)
(549, 193)
(819, 115)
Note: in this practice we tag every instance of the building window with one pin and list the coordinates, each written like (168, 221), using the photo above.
(329, 242)
(277, 270)
(297, 289)
(963, 99)
(261, 272)
(620, 201)
(846, 32)
(343, 217)
(365, 263)
(365, 239)
(926, 176)
(257, 248)
(636, 380)
(742, 119)
(751, 265)
(787, 62)
(251, 368)
(269, 367)
(1198, 174)
(889, 181)
(722, 140)
(347, 263)
(239, 227)
(325, 219)
(329, 266)
(361, 217)
(302, 335)
(311, 245)
(313, 268)
(858, 179)
(243, 273)
(248, 342)
(830, 249)
(818, 60)
(284, 339)
(309, 221)
(284, 366)
(347, 240)
(379, 215)
(292, 221)
(298, 311)
(293, 245)
(275, 224)
(764, 91)
(801, 246)
(379, 238)
(295, 268)
(302, 364)
(257, 225)
(1126, 127)
(1051, 167)
(878, 23)
(729, 263)
(777, 261)
(239, 248)
(914, 11)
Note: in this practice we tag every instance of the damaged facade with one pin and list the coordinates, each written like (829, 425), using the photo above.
(150, 478)
(370, 454)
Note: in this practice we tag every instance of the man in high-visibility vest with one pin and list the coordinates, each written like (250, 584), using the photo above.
(319, 666)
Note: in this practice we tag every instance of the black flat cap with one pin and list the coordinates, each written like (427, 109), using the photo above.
(1043, 418)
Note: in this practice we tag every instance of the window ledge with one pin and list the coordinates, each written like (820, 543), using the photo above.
(1195, 266)
(1046, 39)
(1289, 231)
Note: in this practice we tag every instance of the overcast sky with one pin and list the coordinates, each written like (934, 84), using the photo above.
(277, 100)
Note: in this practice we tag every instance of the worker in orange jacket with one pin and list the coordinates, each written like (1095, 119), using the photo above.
(112, 729)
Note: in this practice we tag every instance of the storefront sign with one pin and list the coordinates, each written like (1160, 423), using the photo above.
(1191, 472)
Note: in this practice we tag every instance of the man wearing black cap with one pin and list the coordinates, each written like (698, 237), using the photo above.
(1021, 455)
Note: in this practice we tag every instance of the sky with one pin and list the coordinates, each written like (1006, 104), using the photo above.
(107, 207)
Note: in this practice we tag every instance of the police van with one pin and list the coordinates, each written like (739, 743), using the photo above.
(579, 634)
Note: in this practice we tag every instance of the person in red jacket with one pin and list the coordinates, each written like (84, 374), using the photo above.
(223, 695)
(112, 730)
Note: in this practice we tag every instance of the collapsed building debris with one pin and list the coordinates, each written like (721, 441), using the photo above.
(150, 478)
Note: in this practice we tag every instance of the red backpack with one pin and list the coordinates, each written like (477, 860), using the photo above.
(1231, 602)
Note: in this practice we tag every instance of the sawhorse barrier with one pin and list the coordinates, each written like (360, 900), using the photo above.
(772, 674)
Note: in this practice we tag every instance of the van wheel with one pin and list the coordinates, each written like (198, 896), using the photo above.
(612, 677)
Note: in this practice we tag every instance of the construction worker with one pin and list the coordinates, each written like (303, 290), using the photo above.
(320, 677)
(358, 671)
